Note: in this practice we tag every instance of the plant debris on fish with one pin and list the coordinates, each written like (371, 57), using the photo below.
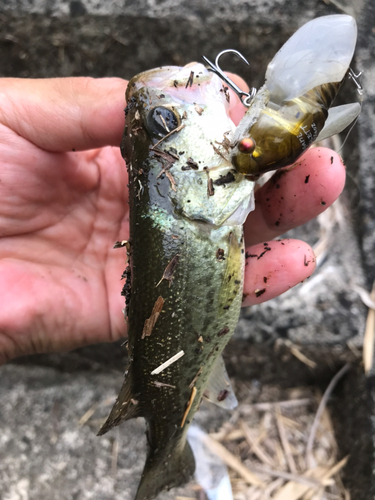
(183, 291)
(184, 281)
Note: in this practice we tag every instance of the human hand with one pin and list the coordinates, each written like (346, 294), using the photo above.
(63, 204)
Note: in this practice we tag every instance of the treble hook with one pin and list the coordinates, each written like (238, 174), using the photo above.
(245, 97)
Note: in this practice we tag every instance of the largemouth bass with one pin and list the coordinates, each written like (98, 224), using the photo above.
(186, 260)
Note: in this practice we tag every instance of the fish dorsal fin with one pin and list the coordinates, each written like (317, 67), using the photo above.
(219, 389)
(125, 408)
(338, 119)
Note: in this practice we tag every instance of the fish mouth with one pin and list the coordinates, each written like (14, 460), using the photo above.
(191, 84)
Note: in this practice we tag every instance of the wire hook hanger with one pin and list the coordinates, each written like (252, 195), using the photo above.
(355, 78)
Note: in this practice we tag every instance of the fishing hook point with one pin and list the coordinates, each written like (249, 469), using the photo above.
(245, 97)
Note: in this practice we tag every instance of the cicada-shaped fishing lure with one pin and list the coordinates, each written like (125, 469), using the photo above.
(293, 108)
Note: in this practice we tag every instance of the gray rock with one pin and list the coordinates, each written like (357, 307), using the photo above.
(366, 143)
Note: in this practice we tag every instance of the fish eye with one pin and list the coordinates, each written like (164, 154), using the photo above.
(247, 145)
(162, 120)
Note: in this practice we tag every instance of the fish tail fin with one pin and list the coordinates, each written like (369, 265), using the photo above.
(125, 407)
(169, 464)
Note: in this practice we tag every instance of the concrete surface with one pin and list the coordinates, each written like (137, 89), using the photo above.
(194, 11)
(46, 455)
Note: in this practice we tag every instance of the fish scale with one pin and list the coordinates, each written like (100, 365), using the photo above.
(196, 309)
(192, 308)
(191, 188)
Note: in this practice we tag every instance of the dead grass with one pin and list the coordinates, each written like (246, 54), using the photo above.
(282, 450)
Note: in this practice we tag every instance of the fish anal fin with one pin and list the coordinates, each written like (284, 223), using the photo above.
(125, 407)
(219, 389)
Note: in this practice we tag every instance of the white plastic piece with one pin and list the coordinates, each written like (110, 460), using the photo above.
(319, 52)
(219, 389)
(338, 119)
(210, 471)
(239, 216)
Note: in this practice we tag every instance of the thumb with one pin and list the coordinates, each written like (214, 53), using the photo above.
(64, 114)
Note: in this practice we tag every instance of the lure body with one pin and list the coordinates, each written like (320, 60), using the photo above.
(293, 108)
(187, 206)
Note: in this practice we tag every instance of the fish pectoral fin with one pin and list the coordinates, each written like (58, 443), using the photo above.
(219, 389)
(125, 407)
(169, 463)
(338, 119)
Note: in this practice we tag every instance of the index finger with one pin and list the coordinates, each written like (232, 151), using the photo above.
(296, 194)
(64, 114)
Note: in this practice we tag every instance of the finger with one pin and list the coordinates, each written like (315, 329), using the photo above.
(274, 267)
(65, 114)
(72, 114)
(295, 195)
(237, 109)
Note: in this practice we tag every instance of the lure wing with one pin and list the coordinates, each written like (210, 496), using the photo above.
(319, 52)
(338, 119)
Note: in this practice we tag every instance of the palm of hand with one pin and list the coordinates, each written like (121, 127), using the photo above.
(61, 214)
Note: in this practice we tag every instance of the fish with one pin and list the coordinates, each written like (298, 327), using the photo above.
(191, 186)
(294, 109)
(184, 279)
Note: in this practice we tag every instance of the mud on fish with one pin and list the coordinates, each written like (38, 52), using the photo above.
(189, 196)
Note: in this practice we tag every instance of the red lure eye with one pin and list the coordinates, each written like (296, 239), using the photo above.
(246, 145)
